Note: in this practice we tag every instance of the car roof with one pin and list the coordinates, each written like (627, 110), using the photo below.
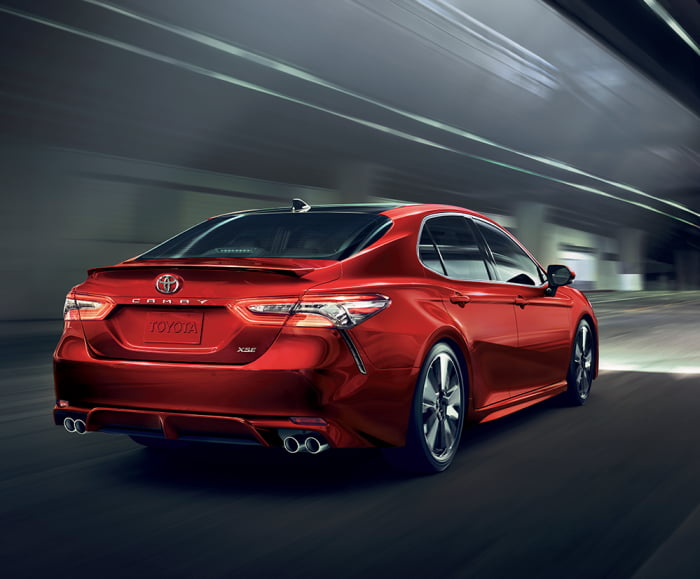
(332, 208)
(392, 210)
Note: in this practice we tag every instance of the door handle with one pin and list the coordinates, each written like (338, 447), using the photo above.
(521, 301)
(459, 299)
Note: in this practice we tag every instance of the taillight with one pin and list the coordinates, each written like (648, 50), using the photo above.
(337, 311)
(342, 312)
(271, 312)
(84, 307)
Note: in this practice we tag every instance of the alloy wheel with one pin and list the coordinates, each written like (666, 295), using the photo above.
(442, 407)
(583, 361)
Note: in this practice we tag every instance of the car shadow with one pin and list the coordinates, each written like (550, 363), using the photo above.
(223, 468)
(263, 471)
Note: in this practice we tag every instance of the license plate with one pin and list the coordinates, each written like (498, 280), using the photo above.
(173, 328)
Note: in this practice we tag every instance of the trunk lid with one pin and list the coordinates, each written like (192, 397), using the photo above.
(192, 323)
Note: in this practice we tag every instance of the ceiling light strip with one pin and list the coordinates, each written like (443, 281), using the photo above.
(673, 24)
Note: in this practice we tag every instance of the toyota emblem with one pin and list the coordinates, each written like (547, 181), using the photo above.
(167, 284)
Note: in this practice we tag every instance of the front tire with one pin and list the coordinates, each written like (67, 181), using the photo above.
(437, 415)
(580, 375)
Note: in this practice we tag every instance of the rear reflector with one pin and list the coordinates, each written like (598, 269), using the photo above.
(308, 420)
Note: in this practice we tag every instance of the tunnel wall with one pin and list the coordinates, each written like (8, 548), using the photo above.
(592, 257)
(66, 211)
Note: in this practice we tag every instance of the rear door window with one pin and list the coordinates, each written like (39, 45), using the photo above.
(448, 245)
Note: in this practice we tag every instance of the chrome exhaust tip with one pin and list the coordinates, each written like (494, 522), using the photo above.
(293, 444)
(80, 426)
(302, 442)
(315, 446)
(69, 424)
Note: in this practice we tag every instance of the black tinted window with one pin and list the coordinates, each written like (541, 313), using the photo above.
(512, 263)
(452, 238)
(293, 235)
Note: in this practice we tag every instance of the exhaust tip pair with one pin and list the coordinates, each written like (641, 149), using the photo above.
(75, 425)
(302, 443)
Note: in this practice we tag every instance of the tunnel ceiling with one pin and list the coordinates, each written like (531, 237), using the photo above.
(644, 39)
(475, 103)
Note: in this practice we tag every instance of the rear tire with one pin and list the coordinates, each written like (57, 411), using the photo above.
(580, 375)
(437, 415)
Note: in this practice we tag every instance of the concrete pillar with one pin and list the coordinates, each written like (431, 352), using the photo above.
(607, 274)
(532, 231)
(631, 246)
(687, 269)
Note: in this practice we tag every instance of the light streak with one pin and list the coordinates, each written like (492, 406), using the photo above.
(673, 24)
(200, 70)
(298, 73)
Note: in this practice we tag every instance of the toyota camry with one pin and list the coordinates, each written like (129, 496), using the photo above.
(313, 328)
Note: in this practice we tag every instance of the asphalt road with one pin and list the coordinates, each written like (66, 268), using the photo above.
(608, 490)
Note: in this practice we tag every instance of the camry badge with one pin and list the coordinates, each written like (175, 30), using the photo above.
(167, 284)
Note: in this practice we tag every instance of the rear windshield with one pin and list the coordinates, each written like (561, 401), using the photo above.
(322, 235)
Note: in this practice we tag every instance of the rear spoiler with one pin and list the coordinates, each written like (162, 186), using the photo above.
(291, 271)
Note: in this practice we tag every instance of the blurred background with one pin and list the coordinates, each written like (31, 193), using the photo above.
(573, 123)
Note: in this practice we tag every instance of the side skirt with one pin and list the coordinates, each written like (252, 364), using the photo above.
(516, 403)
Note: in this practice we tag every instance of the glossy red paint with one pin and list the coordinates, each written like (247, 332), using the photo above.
(200, 364)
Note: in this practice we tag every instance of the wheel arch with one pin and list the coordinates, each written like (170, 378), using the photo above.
(456, 342)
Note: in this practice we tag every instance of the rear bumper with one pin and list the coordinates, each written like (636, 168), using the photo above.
(236, 404)
(199, 427)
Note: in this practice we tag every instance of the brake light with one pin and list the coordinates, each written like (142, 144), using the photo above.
(84, 307)
(342, 312)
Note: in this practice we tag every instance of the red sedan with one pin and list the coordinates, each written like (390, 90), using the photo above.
(326, 327)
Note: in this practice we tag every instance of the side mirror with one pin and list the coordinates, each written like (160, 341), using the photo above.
(557, 276)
